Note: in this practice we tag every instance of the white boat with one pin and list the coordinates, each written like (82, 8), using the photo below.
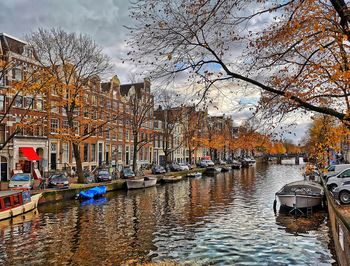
(197, 174)
(169, 179)
(236, 164)
(17, 202)
(301, 194)
(144, 182)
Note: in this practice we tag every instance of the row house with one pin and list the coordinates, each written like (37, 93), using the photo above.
(35, 133)
(23, 122)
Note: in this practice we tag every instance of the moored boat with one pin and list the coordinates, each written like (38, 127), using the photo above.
(236, 164)
(196, 174)
(144, 182)
(212, 170)
(301, 194)
(93, 192)
(13, 203)
(225, 169)
(170, 179)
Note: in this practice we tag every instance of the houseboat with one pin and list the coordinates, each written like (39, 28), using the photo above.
(17, 202)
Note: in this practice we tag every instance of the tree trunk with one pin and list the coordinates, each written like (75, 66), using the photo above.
(79, 167)
(134, 159)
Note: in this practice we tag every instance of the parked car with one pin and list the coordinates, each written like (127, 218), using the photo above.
(59, 180)
(342, 193)
(102, 175)
(189, 166)
(127, 173)
(209, 162)
(202, 164)
(158, 169)
(22, 180)
(332, 170)
(338, 179)
(175, 167)
(183, 167)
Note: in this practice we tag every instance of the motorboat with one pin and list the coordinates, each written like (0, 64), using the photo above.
(225, 169)
(170, 179)
(236, 164)
(212, 170)
(246, 162)
(301, 194)
(196, 174)
(17, 202)
(144, 182)
(93, 192)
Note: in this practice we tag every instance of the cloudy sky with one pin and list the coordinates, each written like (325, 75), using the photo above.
(103, 20)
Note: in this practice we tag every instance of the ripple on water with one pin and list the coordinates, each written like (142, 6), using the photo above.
(222, 220)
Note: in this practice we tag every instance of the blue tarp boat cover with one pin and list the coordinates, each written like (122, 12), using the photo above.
(93, 192)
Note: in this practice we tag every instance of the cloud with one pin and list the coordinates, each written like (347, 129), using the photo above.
(102, 20)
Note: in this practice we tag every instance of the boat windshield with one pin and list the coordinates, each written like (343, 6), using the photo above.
(128, 171)
(20, 177)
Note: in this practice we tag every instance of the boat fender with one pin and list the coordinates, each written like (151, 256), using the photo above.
(275, 206)
(23, 209)
(11, 213)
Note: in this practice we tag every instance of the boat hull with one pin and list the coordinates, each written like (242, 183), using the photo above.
(141, 183)
(27, 207)
(171, 179)
(300, 201)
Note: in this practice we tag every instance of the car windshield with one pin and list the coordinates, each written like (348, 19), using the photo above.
(331, 168)
(20, 177)
(128, 171)
(58, 178)
(103, 173)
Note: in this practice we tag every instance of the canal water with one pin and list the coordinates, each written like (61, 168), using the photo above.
(223, 220)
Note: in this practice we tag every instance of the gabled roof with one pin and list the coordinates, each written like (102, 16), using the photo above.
(9, 43)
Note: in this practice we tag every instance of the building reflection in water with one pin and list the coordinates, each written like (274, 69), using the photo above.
(159, 223)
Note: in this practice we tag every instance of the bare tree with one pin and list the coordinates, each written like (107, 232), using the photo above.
(71, 60)
(300, 59)
(141, 104)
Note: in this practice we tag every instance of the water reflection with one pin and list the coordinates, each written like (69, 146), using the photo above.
(226, 219)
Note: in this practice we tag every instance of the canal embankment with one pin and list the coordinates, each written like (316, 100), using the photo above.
(339, 217)
(54, 195)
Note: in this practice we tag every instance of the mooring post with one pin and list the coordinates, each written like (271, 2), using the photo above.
(297, 160)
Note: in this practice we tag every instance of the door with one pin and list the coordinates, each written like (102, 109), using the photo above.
(127, 155)
(3, 169)
(53, 161)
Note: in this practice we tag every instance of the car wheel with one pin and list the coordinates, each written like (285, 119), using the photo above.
(344, 197)
(331, 187)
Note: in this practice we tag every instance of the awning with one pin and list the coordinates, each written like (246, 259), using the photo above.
(30, 153)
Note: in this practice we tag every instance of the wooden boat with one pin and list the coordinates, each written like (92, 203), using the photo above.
(197, 174)
(301, 194)
(147, 181)
(170, 179)
(17, 202)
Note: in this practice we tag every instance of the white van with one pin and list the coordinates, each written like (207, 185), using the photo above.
(338, 179)
(335, 169)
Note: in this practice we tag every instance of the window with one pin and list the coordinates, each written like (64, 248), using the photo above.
(19, 101)
(120, 134)
(65, 152)
(2, 134)
(100, 131)
(119, 155)
(29, 103)
(54, 125)
(93, 152)
(86, 152)
(17, 73)
(155, 124)
(108, 134)
(39, 105)
(76, 127)
(2, 102)
(127, 136)
(65, 124)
